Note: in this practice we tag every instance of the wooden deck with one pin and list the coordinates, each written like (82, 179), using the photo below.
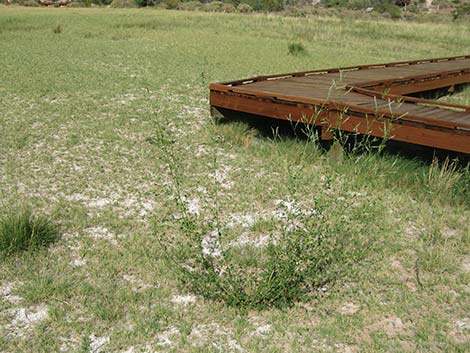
(369, 99)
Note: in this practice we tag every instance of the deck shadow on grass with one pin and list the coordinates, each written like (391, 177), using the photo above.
(269, 128)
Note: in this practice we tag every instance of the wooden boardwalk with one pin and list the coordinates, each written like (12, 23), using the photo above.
(371, 99)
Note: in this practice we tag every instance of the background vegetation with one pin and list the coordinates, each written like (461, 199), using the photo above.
(395, 9)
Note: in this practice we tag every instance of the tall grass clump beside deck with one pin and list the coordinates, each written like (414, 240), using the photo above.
(22, 230)
(447, 181)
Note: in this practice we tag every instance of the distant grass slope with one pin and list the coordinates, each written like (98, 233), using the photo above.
(80, 108)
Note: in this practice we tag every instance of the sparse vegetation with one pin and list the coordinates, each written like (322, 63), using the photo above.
(81, 114)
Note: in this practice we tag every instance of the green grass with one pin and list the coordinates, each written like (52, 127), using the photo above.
(296, 49)
(80, 112)
(22, 230)
(460, 97)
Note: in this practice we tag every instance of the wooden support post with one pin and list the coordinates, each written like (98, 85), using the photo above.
(326, 134)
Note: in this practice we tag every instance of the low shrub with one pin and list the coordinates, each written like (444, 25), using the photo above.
(28, 3)
(273, 5)
(294, 264)
(145, 3)
(334, 3)
(214, 6)
(393, 12)
(266, 5)
(358, 4)
(462, 10)
(123, 3)
(22, 230)
(303, 252)
(294, 11)
(190, 6)
(228, 8)
(171, 4)
(443, 4)
(244, 8)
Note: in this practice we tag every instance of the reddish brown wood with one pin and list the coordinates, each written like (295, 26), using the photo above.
(362, 99)
(397, 98)
(326, 134)
(416, 86)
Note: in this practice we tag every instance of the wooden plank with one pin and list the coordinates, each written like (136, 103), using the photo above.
(429, 85)
(446, 139)
(404, 99)
(358, 93)
(461, 58)
(326, 103)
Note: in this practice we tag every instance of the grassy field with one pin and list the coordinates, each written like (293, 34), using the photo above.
(85, 95)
